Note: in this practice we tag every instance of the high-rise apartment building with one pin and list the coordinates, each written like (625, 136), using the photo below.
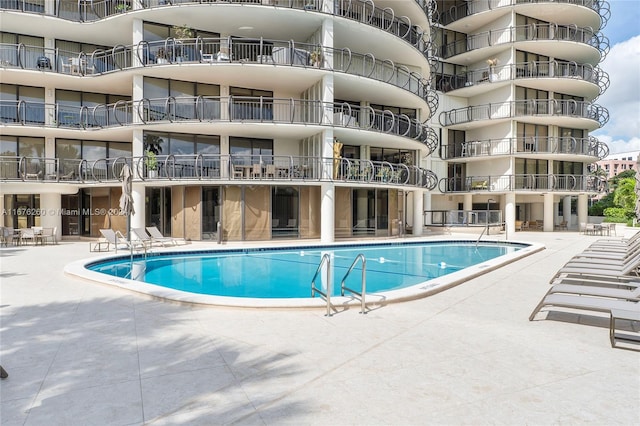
(520, 79)
(323, 119)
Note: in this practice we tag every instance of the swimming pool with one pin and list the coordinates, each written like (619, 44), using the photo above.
(281, 276)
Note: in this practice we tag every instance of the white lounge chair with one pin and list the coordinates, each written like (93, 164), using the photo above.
(116, 239)
(141, 235)
(157, 236)
(585, 303)
(596, 290)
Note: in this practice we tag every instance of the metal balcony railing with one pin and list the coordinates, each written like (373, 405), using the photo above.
(527, 145)
(472, 7)
(214, 51)
(524, 183)
(527, 33)
(217, 109)
(467, 218)
(529, 107)
(525, 70)
(216, 167)
(363, 11)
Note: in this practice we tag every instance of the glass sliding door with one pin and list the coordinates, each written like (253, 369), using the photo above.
(284, 212)
(210, 212)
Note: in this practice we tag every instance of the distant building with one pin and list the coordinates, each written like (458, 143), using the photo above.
(617, 163)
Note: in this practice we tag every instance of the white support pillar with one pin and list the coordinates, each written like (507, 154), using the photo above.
(583, 211)
(327, 41)
(467, 202)
(548, 217)
(327, 212)
(418, 212)
(421, 220)
(138, 195)
(137, 36)
(566, 210)
(51, 206)
(510, 214)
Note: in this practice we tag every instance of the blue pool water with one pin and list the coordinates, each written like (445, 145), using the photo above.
(287, 272)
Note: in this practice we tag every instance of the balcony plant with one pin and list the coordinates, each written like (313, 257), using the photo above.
(182, 33)
(122, 7)
(151, 163)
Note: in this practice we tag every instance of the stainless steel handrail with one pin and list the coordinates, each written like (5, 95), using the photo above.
(363, 290)
(326, 258)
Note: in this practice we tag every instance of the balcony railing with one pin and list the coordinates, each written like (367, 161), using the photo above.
(526, 70)
(471, 7)
(524, 182)
(362, 11)
(466, 218)
(527, 145)
(526, 33)
(529, 107)
(213, 51)
(216, 167)
(217, 109)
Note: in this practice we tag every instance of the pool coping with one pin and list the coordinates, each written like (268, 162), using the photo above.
(78, 269)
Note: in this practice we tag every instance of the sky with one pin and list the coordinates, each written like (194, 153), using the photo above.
(622, 99)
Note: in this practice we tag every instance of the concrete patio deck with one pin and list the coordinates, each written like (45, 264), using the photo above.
(80, 353)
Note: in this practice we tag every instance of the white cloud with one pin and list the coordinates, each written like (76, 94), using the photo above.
(622, 99)
(620, 145)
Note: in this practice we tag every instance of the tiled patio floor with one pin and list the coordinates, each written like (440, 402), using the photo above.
(80, 353)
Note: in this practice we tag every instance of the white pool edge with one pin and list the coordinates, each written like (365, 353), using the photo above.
(78, 269)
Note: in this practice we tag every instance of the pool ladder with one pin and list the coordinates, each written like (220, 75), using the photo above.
(363, 287)
(326, 259)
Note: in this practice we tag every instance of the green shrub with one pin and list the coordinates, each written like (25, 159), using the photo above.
(618, 213)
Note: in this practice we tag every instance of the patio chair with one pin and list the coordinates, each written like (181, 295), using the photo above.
(47, 235)
(632, 294)
(149, 241)
(599, 269)
(157, 235)
(26, 235)
(585, 303)
(116, 239)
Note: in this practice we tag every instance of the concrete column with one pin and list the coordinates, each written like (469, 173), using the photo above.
(548, 216)
(421, 220)
(418, 211)
(138, 195)
(326, 40)
(327, 212)
(51, 205)
(583, 210)
(137, 36)
(510, 214)
(467, 202)
(566, 210)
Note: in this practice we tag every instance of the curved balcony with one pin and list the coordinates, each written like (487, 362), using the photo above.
(527, 146)
(474, 7)
(522, 33)
(217, 167)
(214, 51)
(212, 109)
(572, 74)
(552, 110)
(364, 12)
(525, 183)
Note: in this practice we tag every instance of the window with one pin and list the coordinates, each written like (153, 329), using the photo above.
(33, 108)
(247, 151)
(251, 104)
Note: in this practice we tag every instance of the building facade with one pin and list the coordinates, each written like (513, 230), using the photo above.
(322, 119)
(520, 80)
(241, 120)
(618, 163)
